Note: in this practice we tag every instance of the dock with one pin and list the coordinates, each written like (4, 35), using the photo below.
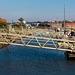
(38, 38)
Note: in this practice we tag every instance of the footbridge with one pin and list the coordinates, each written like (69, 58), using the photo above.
(41, 38)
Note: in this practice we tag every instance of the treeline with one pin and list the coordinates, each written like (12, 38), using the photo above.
(66, 21)
(5, 24)
(43, 25)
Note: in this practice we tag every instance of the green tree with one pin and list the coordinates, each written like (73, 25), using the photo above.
(21, 19)
(24, 25)
(3, 23)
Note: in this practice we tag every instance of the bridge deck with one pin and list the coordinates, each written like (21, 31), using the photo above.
(14, 37)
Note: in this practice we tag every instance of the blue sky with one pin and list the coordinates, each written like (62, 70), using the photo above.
(36, 10)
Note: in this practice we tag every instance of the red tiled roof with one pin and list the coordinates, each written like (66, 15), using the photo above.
(2, 20)
(69, 23)
(16, 23)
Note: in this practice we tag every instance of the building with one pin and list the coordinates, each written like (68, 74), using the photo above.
(70, 25)
(56, 25)
(3, 20)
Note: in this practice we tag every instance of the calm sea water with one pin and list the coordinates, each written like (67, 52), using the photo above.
(20, 60)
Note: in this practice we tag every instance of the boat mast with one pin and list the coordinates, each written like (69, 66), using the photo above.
(64, 16)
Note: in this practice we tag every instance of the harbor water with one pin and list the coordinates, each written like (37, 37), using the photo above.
(22, 60)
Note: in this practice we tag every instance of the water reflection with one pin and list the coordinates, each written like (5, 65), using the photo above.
(18, 60)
